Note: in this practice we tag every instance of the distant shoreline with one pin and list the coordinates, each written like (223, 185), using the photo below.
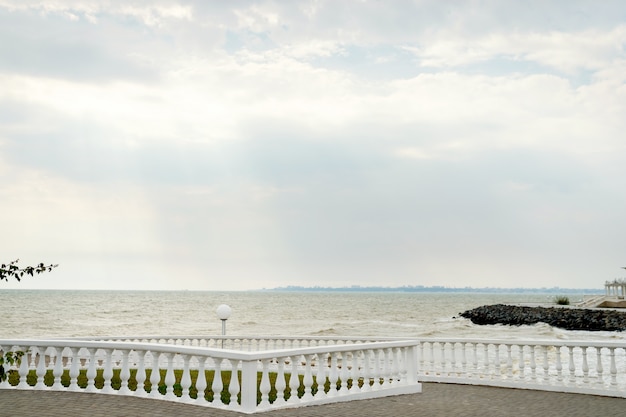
(408, 290)
(440, 289)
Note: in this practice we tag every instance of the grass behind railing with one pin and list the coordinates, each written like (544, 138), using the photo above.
(209, 395)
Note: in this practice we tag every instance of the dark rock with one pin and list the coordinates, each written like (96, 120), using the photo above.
(564, 318)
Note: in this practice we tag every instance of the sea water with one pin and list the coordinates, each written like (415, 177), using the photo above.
(41, 313)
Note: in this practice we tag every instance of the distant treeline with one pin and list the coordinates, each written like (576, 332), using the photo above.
(421, 288)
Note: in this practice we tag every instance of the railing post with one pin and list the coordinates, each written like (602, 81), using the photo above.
(74, 370)
(249, 385)
(411, 365)
(23, 370)
(233, 385)
(41, 368)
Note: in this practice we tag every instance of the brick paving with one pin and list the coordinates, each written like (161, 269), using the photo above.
(447, 400)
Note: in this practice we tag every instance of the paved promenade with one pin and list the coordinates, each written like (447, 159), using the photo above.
(437, 400)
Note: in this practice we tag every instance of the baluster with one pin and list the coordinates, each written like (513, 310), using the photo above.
(354, 371)
(201, 383)
(395, 369)
(140, 375)
(125, 374)
(74, 370)
(333, 375)
(386, 357)
(572, 366)
(366, 370)
(265, 385)
(23, 370)
(509, 361)
(522, 363)
(233, 386)
(375, 370)
(33, 357)
(217, 386)
(464, 357)
(475, 358)
(155, 375)
(432, 358)
(320, 378)
(294, 381)
(486, 370)
(599, 368)
(50, 352)
(496, 361)
(67, 361)
(308, 378)
(170, 377)
(343, 374)
(41, 368)
(58, 368)
(613, 366)
(546, 364)
(559, 365)
(281, 383)
(442, 357)
(420, 360)
(107, 372)
(533, 364)
(453, 358)
(91, 371)
(585, 365)
(4, 350)
(388, 367)
(185, 380)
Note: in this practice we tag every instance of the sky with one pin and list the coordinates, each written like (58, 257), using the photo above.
(236, 145)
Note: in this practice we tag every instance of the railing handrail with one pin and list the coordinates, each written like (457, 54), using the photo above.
(235, 337)
(204, 351)
(528, 342)
(363, 339)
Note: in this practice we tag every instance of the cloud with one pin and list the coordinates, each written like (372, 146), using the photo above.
(253, 144)
(565, 52)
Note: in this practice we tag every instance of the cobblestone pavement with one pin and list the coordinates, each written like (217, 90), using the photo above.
(436, 400)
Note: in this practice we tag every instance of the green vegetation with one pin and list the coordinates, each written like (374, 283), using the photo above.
(9, 358)
(209, 395)
(11, 270)
(562, 300)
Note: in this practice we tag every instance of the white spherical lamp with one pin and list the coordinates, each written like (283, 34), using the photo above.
(223, 313)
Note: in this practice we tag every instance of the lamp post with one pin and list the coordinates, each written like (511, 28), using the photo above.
(223, 313)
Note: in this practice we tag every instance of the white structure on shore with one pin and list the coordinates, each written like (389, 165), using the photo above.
(614, 295)
(615, 288)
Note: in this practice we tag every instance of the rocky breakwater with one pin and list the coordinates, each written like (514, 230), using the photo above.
(564, 318)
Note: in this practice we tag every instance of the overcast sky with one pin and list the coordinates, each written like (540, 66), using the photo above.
(230, 145)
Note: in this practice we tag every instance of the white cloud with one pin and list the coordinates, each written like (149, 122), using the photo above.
(254, 140)
(568, 52)
(256, 20)
(57, 215)
(149, 13)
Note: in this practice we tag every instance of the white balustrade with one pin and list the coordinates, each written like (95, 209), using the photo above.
(184, 373)
(297, 371)
(531, 364)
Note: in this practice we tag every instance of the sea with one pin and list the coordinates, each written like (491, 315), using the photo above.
(30, 314)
